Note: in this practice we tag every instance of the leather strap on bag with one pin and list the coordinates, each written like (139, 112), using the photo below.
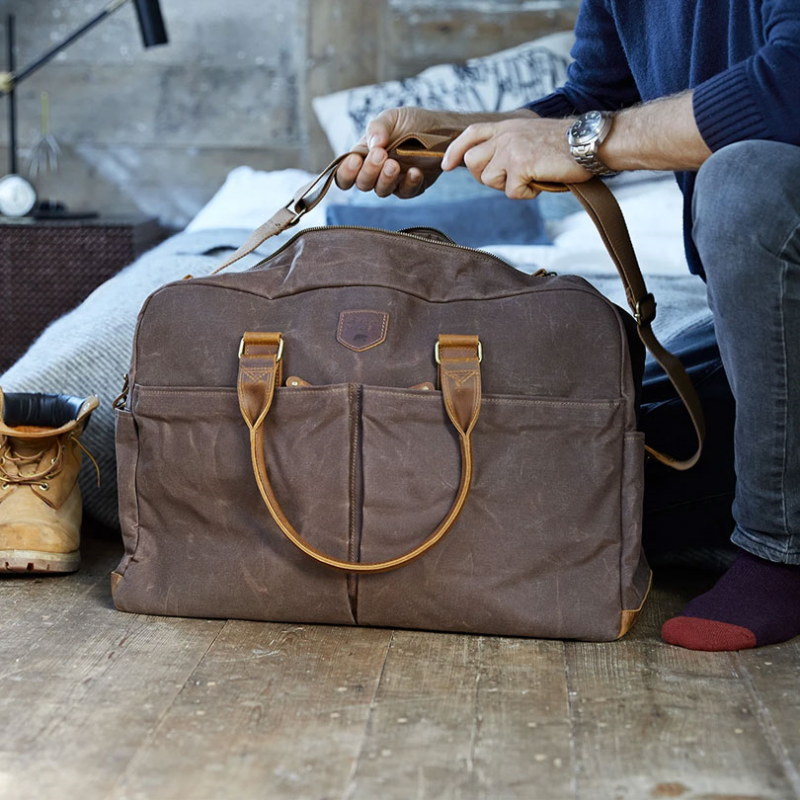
(421, 150)
(602, 207)
(425, 151)
(260, 356)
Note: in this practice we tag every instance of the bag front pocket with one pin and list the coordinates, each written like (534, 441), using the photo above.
(536, 550)
(207, 547)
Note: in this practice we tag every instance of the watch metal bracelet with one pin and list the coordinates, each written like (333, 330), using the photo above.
(586, 156)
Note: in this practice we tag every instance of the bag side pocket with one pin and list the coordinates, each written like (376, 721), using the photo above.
(635, 574)
(127, 447)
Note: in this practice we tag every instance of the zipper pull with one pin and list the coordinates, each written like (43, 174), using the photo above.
(122, 397)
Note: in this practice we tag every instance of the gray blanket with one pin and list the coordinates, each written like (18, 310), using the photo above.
(88, 350)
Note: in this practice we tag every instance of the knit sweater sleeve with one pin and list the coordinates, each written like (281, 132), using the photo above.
(599, 77)
(758, 98)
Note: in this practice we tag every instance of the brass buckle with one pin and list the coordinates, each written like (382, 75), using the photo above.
(438, 361)
(278, 357)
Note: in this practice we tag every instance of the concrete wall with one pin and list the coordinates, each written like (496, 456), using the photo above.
(158, 130)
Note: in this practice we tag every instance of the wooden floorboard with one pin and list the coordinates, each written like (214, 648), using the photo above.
(271, 711)
(83, 684)
(467, 717)
(100, 705)
(651, 720)
(774, 677)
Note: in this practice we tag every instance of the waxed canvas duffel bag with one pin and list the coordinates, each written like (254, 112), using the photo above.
(378, 428)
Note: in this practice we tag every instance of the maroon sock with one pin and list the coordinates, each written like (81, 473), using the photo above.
(756, 602)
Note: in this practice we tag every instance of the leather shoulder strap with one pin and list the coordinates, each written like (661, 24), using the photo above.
(425, 151)
(421, 150)
(602, 207)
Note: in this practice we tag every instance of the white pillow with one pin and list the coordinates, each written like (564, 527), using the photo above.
(249, 197)
(500, 82)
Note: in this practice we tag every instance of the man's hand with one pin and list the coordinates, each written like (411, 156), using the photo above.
(385, 175)
(508, 154)
(379, 172)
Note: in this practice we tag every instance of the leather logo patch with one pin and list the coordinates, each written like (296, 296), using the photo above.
(360, 330)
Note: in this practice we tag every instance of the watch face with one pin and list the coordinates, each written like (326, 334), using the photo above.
(17, 196)
(586, 128)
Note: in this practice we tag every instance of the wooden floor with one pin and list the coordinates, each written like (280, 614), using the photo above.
(97, 704)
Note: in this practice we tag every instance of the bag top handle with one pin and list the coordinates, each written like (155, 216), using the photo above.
(425, 151)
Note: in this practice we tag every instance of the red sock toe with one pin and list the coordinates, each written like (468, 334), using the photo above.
(695, 633)
(755, 603)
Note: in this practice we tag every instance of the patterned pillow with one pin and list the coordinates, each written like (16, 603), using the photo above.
(500, 82)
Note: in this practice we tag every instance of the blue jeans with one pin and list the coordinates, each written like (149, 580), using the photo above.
(745, 363)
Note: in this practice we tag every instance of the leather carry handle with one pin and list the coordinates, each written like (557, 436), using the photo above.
(425, 151)
(260, 361)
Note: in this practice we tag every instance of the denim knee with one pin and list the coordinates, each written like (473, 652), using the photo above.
(746, 202)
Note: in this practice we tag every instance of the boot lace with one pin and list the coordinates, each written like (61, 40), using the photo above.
(21, 461)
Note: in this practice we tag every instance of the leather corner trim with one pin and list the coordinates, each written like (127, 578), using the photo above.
(116, 578)
(629, 616)
(362, 329)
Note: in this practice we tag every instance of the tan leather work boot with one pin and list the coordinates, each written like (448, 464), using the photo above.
(40, 500)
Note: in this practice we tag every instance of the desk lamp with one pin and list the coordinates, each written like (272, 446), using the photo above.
(17, 195)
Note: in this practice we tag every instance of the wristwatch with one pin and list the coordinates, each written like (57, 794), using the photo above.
(585, 136)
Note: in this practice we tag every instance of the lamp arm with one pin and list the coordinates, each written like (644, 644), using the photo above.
(8, 80)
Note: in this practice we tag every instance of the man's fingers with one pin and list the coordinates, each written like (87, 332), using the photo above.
(494, 177)
(371, 169)
(518, 190)
(348, 171)
(379, 172)
(478, 158)
(380, 129)
(388, 179)
(411, 184)
(473, 135)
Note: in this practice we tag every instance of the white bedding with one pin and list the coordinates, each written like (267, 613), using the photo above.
(653, 211)
(249, 197)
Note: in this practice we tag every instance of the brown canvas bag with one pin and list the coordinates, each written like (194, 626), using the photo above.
(376, 428)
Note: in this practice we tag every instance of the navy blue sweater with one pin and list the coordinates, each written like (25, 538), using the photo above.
(741, 57)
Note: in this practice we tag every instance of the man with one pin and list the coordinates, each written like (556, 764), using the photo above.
(711, 90)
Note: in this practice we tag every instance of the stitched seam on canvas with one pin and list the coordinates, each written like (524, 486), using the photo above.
(354, 412)
(421, 395)
(295, 391)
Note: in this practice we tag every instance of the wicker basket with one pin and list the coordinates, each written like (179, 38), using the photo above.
(48, 267)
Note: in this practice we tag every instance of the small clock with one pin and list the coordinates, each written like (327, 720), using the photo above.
(17, 196)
